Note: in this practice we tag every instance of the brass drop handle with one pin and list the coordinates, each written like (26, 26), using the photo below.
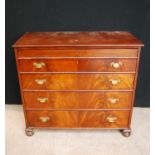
(38, 65)
(42, 100)
(113, 100)
(114, 81)
(44, 119)
(111, 119)
(40, 81)
(116, 64)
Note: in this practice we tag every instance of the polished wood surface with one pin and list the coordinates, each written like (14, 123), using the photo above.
(77, 100)
(28, 53)
(100, 38)
(78, 119)
(77, 65)
(77, 81)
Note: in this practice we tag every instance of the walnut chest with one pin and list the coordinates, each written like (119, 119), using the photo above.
(78, 79)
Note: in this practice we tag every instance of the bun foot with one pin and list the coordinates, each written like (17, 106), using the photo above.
(126, 132)
(29, 131)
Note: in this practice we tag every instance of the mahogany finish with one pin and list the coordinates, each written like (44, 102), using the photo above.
(28, 53)
(77, 65)
(78, 79)
(77, 100)
(76, 119)
(91, 39)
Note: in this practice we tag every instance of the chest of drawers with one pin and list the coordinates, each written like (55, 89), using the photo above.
(78, 79)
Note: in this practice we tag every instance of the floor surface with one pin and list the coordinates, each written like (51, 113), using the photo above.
(76, 142)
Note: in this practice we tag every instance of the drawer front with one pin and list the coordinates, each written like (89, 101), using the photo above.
(78, 119)
(59, 119)
(77, 65)
(78, 100)
(30, 52)
(107, 65)
(49, 65)
(77, 81)
(106, 119)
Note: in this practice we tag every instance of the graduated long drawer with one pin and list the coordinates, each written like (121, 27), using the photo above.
(77, 119)
(77, 81)
(77, 65)
(77, 100)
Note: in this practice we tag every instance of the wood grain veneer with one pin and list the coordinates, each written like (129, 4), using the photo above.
(76, 119)
(78, 39)
(77, 65)
(77, 100)
(78, 79)
(46, 52)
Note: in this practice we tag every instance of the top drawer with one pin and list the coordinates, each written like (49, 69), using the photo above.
(32, 52)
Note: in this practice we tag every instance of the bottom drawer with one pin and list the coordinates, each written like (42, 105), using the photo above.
(78, 119)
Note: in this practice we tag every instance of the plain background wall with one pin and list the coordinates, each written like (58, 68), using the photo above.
(81, 15)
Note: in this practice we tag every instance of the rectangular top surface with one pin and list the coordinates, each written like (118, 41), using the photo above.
(82, 39)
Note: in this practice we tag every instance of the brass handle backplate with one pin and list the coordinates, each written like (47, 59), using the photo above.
(111, 119)
(115, 81)
(42, 100)
(38, 65)
(113, 100)
(40, 81)
(116, 64)
(44, 119)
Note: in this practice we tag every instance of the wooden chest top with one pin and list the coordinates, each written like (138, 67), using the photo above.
(80, 39)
